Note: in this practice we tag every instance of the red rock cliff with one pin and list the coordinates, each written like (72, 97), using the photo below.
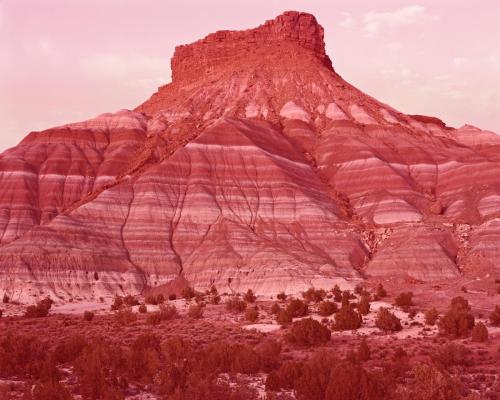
(287, 35)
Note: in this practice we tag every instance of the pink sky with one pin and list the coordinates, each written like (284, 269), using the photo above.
(67, 60)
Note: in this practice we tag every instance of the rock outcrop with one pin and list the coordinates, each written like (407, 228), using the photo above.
(257, 167)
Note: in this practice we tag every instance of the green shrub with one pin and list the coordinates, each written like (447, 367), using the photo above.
(125, 316)
(431, 316)
(117, 303)
(235, 304)
(457, 322)
(449, 355)
(275, 308)
(314, 295)
(41, 309)
(308, 332)
(479, 333)
(381, 292)
(363, 353)
(6, 298)
(196, 311)
(327, 308)
(404, 299)
(284, 377)
(250, 296)
(337, 294)
(252, 314)
(364, 304)
(387, 321)
(495, 317)
(88, 316)
(142, 309)
(281, 296)
(284, 317)
(130, 301)
(297, 308)
(347, 319)
(188, 293)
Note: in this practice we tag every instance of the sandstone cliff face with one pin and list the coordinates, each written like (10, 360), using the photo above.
(257, 167)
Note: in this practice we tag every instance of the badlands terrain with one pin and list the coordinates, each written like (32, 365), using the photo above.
(257, 228)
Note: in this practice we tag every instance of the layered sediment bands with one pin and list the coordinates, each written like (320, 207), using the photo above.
(239, 207)
(420, 252)
(257, 167)
(50, 170)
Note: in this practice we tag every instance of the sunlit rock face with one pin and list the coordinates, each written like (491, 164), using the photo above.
(257, 167)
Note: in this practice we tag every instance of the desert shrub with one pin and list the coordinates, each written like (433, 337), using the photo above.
(196, 311)
(284, 317)
(347, 319)
(350, 381)
(215, 299)
(172, 296)
(432, 383)
(479, 333)
(1, 313)
(69, 349)
(314, 377)
(142, 309)
(208, 387)
(327, 308)
(130, 301)
(387, 321)
(5, 298)
(404, 299)
(450, 354)
(166, 312)
(224, 357)
(188, 293)
(99, 370)
(20, 355)
(457, 322)
(269, 352)
(381, 292)
(364, 304)
(308, 332)
(314, 295)
(117, 303)
(281, 296)
(41, 309)
(431, 316)
(252, 314)
(143, 358)
(249, 296)
(495, 317)
(88, 316)
(125, 316)
(337, 293)
(285, 376)
(297, 308)
(363, 353)
(275, 308)
(153, 318)
(49, 390)
(346, 296)
(358, 289)
(161, 298)
(151, 299)
(235, 304)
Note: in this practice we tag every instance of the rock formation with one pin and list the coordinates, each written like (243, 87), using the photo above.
(257, 167)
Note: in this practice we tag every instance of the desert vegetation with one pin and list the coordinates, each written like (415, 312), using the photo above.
(201, 349)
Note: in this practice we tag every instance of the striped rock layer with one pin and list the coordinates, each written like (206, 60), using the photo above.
(257, 167)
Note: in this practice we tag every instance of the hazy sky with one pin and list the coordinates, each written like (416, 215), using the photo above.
(68, 60)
